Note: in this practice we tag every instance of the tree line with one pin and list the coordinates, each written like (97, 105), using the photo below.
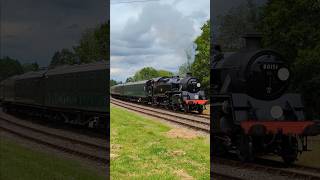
(10, 67)
(145, 73)
(93, 46)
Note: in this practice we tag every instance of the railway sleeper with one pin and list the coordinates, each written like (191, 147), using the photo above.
(58, 116)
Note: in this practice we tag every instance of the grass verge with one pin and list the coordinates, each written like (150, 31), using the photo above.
(141, 149)
(311, 158)
(21, 163)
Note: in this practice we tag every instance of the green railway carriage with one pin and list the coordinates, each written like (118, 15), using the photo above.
(81, 87)
(29, 88)
(117, 90)
(1, 91)
(9, 89)
(75, 94)
(137, 91)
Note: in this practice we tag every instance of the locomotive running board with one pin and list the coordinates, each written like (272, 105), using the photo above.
(307, 128)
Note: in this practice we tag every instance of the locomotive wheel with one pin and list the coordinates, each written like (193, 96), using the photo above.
(175, 107)
(200, 110)
(244, 151)
(186, 108)
(218, 148)
(289, 150)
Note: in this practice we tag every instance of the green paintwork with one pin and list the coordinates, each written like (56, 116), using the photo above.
(135, 89)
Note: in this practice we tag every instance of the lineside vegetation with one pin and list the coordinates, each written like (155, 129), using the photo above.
(141, 148)
(21, 163)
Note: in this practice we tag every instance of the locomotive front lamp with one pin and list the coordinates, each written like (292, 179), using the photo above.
(196, 96)
(198, 85)
(283, 74)
(276, 112)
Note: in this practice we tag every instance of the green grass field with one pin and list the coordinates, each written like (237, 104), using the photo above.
(20, 163)
(141, 149)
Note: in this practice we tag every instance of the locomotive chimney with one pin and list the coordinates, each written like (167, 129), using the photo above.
(253, 41)
(189, 74)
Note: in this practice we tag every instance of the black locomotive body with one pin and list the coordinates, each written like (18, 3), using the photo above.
(74, 94)
(252, 112)
(171, 92)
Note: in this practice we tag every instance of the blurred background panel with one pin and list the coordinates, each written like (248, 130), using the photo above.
(54, 82)
(33, 30)
(289, 28)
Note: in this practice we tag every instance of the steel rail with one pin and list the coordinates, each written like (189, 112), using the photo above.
(172, 118)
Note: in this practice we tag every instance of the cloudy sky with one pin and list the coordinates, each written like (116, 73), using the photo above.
(32, 30)
(153, 33)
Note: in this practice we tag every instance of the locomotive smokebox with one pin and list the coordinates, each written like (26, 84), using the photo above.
(253, 41)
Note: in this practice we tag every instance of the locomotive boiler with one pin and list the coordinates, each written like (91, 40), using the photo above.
(252, 112)
(175, 93)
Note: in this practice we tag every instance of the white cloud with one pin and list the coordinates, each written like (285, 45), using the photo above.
(115, 71)
(153, 34)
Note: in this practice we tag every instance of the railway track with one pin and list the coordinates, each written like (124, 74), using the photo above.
(307, 169)
(198, 123)
(194, 114)
(296, 171)
(207, 116)
(219, 176)
(62, 142)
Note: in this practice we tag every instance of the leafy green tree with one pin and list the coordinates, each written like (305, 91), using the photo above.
(87, 51)
(129, 79)
(94, 44)
(145, 73)
(102, 35)
(201, 65)
(9, 67)
(311, 92)
(65, 56)
(148, 73)
(292, 28)
(306, 69)
(164, 73)
(113, 82)
(30, 67)
(237, 22)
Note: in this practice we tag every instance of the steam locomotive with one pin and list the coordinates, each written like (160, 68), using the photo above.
(252, 112)
(171, 92)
